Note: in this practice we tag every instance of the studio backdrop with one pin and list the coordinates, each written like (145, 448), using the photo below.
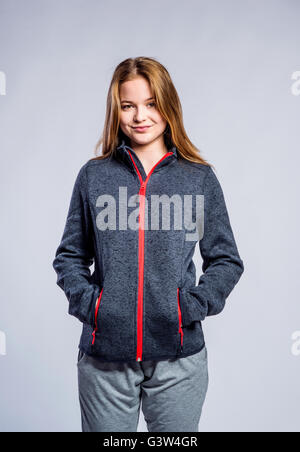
(236, 67)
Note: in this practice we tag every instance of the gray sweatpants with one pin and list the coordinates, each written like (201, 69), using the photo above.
(172, 392)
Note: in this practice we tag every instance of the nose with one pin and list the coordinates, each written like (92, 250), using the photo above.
(140, 114)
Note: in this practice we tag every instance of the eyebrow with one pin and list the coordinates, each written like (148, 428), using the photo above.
(150, 98)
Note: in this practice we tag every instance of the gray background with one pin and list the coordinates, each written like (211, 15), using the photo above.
(232, 63)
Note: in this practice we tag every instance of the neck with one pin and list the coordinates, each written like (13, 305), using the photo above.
(151, 152)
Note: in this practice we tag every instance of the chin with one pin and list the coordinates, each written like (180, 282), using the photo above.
(141, 139)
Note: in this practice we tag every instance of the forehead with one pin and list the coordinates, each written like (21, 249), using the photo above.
(135, 90)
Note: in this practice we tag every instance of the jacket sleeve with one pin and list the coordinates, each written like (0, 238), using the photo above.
(222, 266)
(75, 254)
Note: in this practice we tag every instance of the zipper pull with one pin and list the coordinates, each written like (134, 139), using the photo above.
(143, 188)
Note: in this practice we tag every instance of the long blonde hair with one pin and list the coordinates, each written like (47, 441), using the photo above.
(167, 102)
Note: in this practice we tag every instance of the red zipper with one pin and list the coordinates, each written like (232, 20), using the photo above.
(180, 321)
(96, 314)
(142, 191)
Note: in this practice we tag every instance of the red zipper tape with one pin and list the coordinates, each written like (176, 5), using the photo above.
(96, 314)
(142, 192)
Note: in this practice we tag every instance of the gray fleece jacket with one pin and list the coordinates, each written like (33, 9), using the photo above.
(141, 301)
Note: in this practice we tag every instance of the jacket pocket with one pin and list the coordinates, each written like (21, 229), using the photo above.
(179, 321)
(96, 316)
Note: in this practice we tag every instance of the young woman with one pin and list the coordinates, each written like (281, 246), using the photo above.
(137, 212)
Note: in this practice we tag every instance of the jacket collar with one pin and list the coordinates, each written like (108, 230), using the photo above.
(123, 152)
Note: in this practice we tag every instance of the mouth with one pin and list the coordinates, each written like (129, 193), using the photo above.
(141, 129)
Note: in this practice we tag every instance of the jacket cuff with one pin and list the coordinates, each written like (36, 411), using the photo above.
(191, 310)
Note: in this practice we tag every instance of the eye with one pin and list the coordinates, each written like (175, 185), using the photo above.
(124, 107)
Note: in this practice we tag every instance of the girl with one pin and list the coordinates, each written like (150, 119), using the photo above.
(137, 212)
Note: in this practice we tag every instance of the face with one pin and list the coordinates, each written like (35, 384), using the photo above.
(138, 109)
